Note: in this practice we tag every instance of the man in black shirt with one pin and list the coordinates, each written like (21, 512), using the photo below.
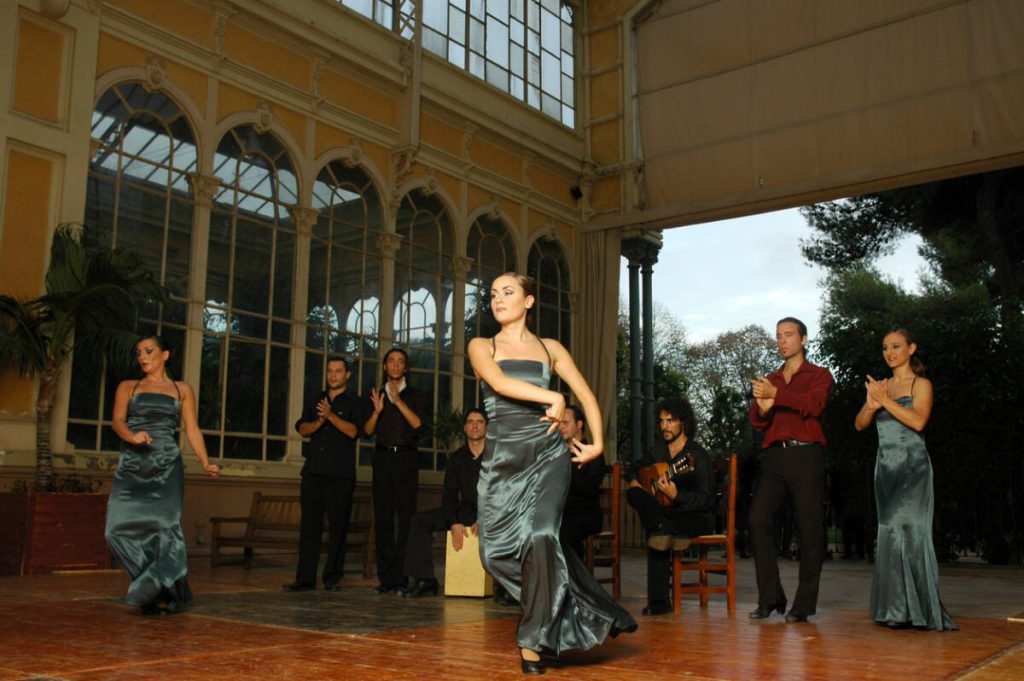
(328, 476)
(582, 514)
(456, 513)
(399, 417)
(689, 494)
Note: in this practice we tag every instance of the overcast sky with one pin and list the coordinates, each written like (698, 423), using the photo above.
(728, 274)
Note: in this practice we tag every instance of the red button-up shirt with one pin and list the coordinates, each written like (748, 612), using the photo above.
(796, 414)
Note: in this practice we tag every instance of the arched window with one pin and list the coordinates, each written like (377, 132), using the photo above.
(137, 198)
(424, 290)
(493, 251)
(249, 280)
(343, 309)
(550, 269)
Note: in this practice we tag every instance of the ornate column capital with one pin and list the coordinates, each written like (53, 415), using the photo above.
(305, 219)
(389, 243)
(156, 73)
(353, 153)
(461, 264)
(204, 188)
(634, 250)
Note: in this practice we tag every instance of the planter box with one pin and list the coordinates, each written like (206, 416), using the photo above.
(41, 532)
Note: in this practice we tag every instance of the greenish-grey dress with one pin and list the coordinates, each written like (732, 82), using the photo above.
(905, 587)
(144, 511)
(524, 479)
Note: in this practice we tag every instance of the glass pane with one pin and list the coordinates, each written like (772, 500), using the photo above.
(550, 31)
(435, 16)
(551, 81)
(218, 257)
(283, 273)
(497, 43)
(498, 9)
(249, 326)
(516, 63)
(277, 391)
(457, 25)
(434, 42)
(83, 436)
(242, 448)
(477, 35)
(550, 106)
(516, 87)
(567, 90)
(497, 76)
(244, 407)
(457, 55)
(210, 383)
(313, 377)
(276, 449)
(568, 116)
(250, 286)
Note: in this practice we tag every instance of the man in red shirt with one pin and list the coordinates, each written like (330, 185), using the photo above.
(787, 407)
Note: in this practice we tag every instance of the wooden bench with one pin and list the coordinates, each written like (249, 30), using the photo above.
(273, 523)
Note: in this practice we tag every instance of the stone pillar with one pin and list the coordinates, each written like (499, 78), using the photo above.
(650, 257)
(633, 250)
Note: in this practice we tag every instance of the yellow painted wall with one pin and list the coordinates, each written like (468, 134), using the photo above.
(176, 16)
(604, 142)
(293, 122)
(441, 135)
(192, 82)
(23, 250)
(329, 137)
(37, 72)
(452, 185)
(232, 100)
(605, 194)
(554, 186)
(497, 160)
(115, 53)
(267, 57)
(476, 197)
(353, 95)
(604, 48)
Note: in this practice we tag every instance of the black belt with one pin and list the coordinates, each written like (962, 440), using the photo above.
(793, 443)
(394, 449)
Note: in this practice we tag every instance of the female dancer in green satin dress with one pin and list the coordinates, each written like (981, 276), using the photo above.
(144, 511)
(905, 587)
(524, 479)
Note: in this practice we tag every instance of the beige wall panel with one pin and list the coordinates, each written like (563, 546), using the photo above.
(294, 123)
(836, 17)
(267, 57)
(552, 185)
(355, 96)
(115, 53)
(782, 91)
(232, 100)
(26, 228)
(788, 156)
(381, 158)
(329, 137)
(997, 120)
(849, 143)
(932, 126)
(441, 135)
(452, 185)
(997, 30)
(38, 77)
(536, 220)
(725, 170)
(929, 53)
(176, 16)
(779, 26)
(497, 160)
(606, 194)
(604, 142)
(605, 95)
(852, 73)
(713, 110)
(604, 48)
(510, 209)
(606, 11)
(476, 196)
(193, 83)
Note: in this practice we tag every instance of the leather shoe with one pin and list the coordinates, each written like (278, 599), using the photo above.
(503, 597)
(422, 587)
(763, 612)
(298, 586)
(388, 588)
(656, 608)
(532, 667)
(332, 586)
(796, 616)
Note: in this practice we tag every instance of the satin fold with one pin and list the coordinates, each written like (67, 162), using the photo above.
(524, 479)
(144, 512)
(905, 586)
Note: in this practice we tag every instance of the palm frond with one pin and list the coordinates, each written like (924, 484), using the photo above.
(23, 339)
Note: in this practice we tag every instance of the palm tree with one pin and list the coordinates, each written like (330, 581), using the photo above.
(90, 305)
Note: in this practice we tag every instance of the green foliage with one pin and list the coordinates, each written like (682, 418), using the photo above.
(966, 322)
(448, 426)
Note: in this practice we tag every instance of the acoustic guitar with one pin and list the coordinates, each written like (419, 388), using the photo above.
(648, 475)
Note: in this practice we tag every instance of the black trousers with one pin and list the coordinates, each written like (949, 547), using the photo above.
(320, 495)
(419, 551)
(577, 526)
(396, 479)
(800, 472)
(653, 516)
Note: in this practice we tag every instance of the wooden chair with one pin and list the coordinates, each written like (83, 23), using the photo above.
(703, 565)
(603, 548)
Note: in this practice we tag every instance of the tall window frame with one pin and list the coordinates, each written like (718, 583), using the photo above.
(250, 284)
(549, 267)
(424, 298)
(523, 47)
(137, 198)
(492, 249)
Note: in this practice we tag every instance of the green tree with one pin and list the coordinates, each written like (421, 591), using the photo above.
(90, 305)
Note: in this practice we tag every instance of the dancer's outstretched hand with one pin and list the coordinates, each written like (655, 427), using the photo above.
(583, 452)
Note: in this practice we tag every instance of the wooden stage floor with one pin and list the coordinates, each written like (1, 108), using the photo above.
(75, 628)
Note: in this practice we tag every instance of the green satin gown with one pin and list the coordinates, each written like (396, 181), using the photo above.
(524, 479)
(144, 511)
(905, 587)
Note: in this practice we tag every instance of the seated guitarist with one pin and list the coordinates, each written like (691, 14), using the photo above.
(677, 504)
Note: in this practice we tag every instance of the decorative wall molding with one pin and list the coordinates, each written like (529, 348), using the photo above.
(156, 73)
(204, 188)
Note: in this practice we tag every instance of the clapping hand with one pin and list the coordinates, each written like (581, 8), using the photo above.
(583, 452)
(323, 409)
(764, 393)
(876, 392)
(377, 397)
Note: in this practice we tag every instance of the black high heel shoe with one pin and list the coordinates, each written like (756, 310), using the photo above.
(763, 612)
(532, 667)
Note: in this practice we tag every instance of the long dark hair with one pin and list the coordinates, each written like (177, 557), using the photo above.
(916, 365)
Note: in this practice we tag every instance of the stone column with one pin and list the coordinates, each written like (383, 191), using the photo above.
(633, 250)
(650, 257)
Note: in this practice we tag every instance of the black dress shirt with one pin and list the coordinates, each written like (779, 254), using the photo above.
(458, 500)
(585, 487)
(392, 429)
(329, 452)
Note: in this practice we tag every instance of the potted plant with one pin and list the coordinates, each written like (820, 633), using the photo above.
(90, 305)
